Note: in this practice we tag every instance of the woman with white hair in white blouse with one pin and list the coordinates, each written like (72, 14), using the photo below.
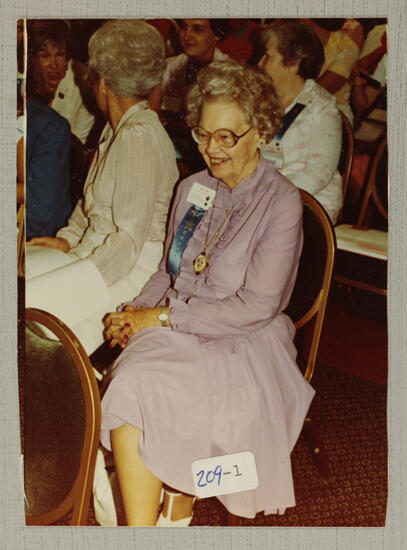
(119, 223)
(308, 146)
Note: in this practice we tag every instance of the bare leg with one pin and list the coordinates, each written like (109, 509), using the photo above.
(140, 488)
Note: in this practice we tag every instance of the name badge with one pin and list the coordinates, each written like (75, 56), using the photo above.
(201, 196)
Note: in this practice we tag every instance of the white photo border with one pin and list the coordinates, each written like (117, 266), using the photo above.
(13, 532)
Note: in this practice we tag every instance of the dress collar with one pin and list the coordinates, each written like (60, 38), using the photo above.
(304, 97)
(108, 130)
(246, 182)
(247, 187)
(140, 106)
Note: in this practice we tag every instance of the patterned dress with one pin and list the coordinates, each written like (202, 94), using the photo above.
(341, 54)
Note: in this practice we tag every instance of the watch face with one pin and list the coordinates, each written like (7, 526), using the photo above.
(163, 317)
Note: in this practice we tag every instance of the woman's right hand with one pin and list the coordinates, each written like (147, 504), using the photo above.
(121, 335)
(59, 243)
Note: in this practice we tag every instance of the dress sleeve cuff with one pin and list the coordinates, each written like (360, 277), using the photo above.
(64, 234)
(179, 315)
(134, 303)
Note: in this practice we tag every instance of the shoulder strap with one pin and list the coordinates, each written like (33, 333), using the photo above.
(289, 119)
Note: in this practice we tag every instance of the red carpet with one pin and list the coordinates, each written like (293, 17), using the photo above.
(354, 344)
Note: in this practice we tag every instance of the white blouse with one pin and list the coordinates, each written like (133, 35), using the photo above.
(126, 194)
(68, 102)
(308, 154)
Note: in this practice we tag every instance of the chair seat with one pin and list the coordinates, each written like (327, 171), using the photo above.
(367, 242)
(370, 131)
(378, 115)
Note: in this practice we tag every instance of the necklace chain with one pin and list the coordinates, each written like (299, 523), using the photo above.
(227, 217)
(201, 262)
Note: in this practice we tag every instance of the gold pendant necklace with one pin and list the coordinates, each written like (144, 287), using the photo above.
(201, 262)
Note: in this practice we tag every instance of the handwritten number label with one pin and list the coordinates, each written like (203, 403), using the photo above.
(200, 474)
(210, 476)
(221, 475)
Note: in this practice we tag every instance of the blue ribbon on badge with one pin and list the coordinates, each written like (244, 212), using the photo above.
(182, 236)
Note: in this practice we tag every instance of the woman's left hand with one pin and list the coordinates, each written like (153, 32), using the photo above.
(119, 326)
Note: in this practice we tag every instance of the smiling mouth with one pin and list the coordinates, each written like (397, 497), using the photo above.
(218, 162)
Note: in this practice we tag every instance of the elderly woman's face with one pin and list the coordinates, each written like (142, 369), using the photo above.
(272, 63)
(197, 39)
(230, 164)
(52, 62)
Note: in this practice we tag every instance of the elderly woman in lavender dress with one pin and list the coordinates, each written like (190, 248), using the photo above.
(208, 362)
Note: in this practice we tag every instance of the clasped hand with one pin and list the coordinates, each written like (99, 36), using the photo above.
(119, 326)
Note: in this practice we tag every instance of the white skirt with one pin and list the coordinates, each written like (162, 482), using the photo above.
(90, 330)
(66, 305)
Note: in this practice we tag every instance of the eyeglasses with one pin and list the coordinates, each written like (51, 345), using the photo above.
(222, 136)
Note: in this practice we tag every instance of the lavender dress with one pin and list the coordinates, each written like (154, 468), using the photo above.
(224, 378)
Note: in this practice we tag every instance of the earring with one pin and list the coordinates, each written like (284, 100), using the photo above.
(260, 144)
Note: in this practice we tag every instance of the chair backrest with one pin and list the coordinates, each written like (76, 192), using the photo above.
(309, 298)
(61, 422)
(376, 187)
(346, 157)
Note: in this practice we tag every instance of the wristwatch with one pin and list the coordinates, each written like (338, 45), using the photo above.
(164, 317)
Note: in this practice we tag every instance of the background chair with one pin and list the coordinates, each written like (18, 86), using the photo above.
(60, 435)
(309, 298)
(362, 257)
(307, 308)
(346, 158)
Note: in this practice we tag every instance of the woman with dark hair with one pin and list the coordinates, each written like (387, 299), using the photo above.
(43, 153)
(57, 80)
(199, 38)
(307, 148)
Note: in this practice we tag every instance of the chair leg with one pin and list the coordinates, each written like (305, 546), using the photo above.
(314, 441)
